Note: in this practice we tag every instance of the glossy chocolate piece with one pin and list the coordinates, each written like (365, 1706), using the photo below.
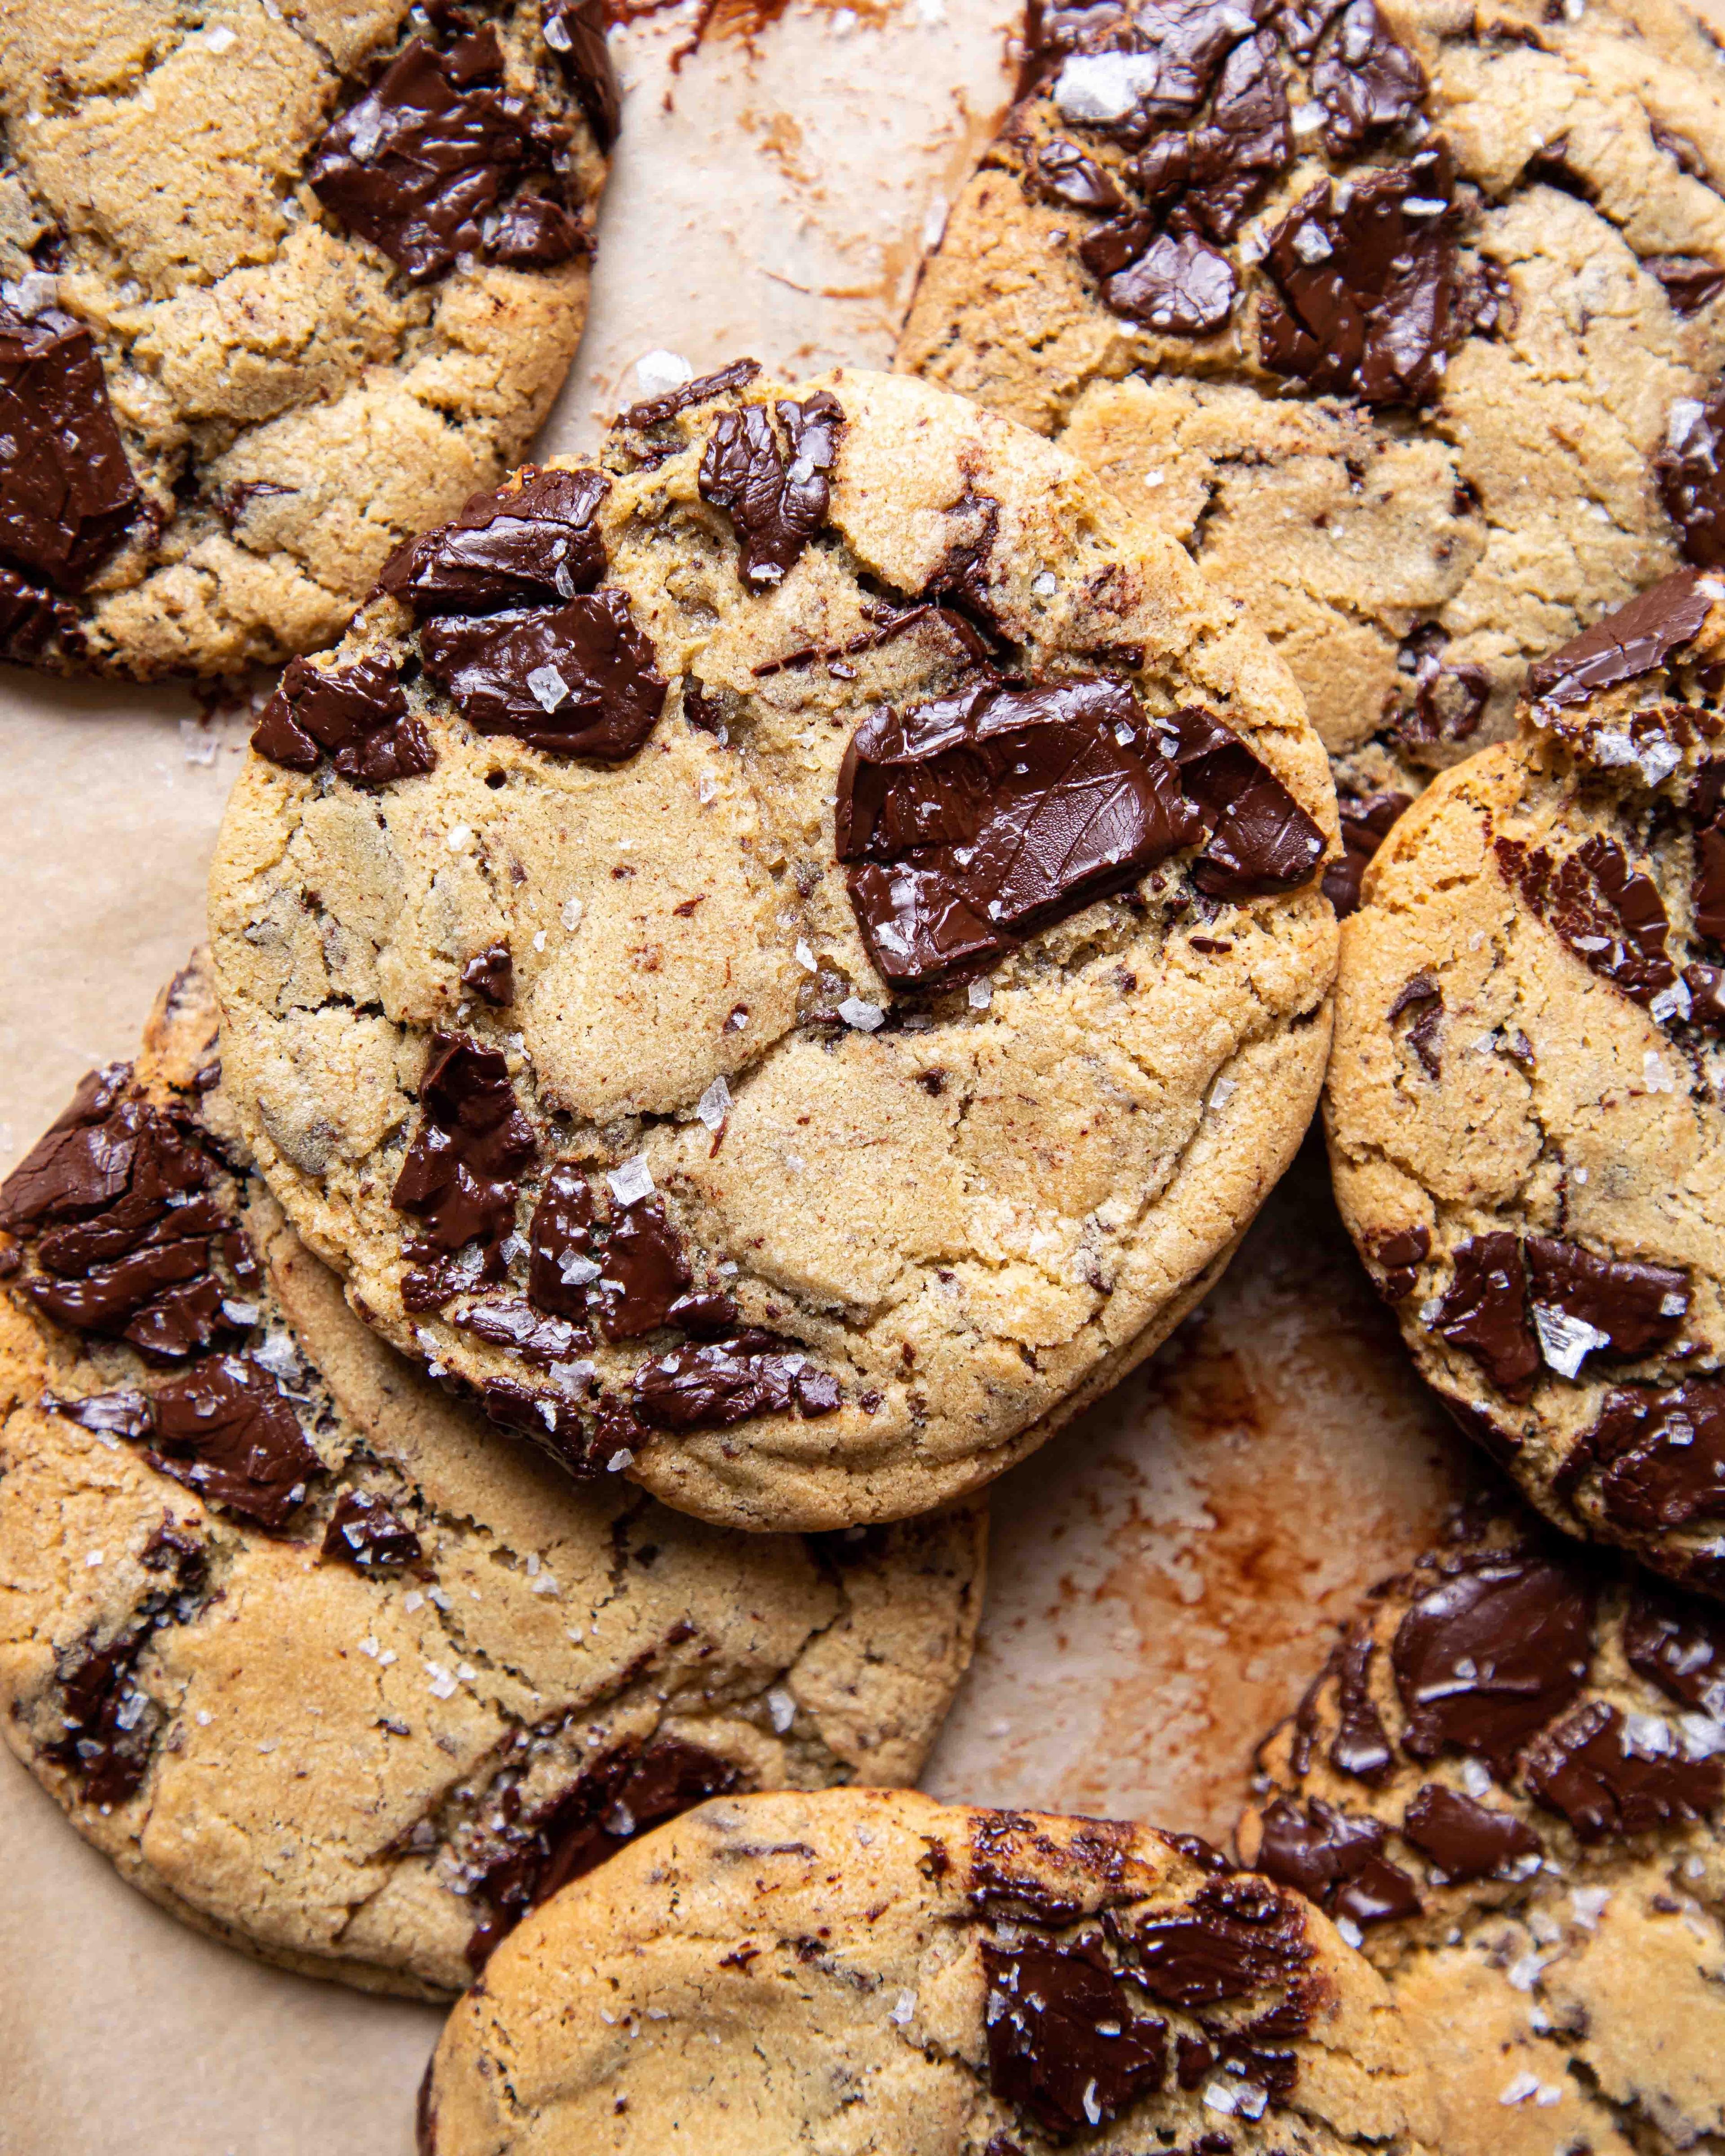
(1259, 840)
(1230, 161)
(1363, 295)
(513, 1323)
(1396, 1260)
(1420, 1001)
(1368, 84)
(1380, 1892)
(110, 1723)
(1315, 1848)
(1608, 913)
(1484, 1313)
(1637, 1308)
(654, 411)
(490, 975)
(358, 715)
(531, 545)
(1361, 1745)
(1707, 885)
(1584, 1769)
(1450, 696)
(644, 1273)
(1465, 1840)
(32, 617)
(535, 233)
(1064, 2044)
(561, 1258)
(67, 493)
(713, 1385)
(459, 1179)
(420, 164)
(1660, 1454)
(1637, 639)
(1691, 483)
(1366, 820)
(1191, 38)
(1679, 1645)
(123, 1413)
(1689, 282)
(224, 1429)
(580, 1435)
(577, 680)
(364, 1532)
(1179, 284)
(1064, 174)
(1235, 1936)
(1490, 1653)
(575, 31)
(775, 486)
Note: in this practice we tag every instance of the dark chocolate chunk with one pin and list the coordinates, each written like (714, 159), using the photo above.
(356, 715)
(1064, 174)
(123, 1414)
(1179, 284)
(1190, 39)
(1203, 1854)
(1303, 23)
(1235, 1936)
(560, 1261)
(419, 163)
(364, 1532)
(1663, 1455)
(1689, 281)
(490, 974)
(1450, 698)
(1637, 639)
(224, 1429)
(515, 1324)
(654, 411)
(531, 545)
(1706, 996)
(1064, 2044)
(1361, 297)
(1691, 479)
(1361, 1745)
(1313, 1847)
(577, 680)
(708, 1314)
(1586, 1769)
(1380, 1892)
(775, 492)
(459, 1178)
(1368, 84)
(1637, 1308)
(575, 30)
(711, 1386)
(32, 617)
(1489, 1654)
(67, 493)
(1610, 915)
(1465, 1840)
(1259, 839)
(521, 1862)
(1679, 1645)
(1707, 883)
(1425, 1000)
(1396, 1260)
(1366, 820)
(1484, 1313)
(110, 1722)
(534, 234)
(643, 1272)
(1247, 142)
(582, 1442)
(1020, 1871)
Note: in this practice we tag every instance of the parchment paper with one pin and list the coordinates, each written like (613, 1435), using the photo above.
(1163, 1575)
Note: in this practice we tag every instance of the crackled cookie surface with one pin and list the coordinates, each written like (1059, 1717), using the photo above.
(1506, 1786)
(279, 286)
(785, 961)
(868, 1970)
(1405, 318)
(1524, 1103)
(326, 1666)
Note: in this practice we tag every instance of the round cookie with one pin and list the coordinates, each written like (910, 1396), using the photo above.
(1506, 1785)
(279, 286)
(1523, 1104)
(326, 1666)
(869, 1970)
(785, 961)
(1405, 316)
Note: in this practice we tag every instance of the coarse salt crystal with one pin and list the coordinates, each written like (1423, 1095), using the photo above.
(1105, 86)
(632, 1182)
(782, 1707)
(412, 1601)
(706, 789)
(806, 958)
(95, 1558)
(905, 2006)
(458, 838)
(204, 1717)
(1588, 1903)
(865, 1016)
(658, 371)
(220, 39)
(1518, 2091)
(1311, 245)
(548, 686)
(1566, 1341)
(570, 913)
(1218, 2096)
(1044, 583)
(368, 1645)
(1658, 1078)
(1222, 1092)
(980, 994)
(538, 939)
(622, 1458)
(1350, 1931)
(442, 1683)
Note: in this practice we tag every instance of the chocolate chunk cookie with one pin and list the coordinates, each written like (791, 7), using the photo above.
(1405, 317)
(869, 1969)
(279, 286)
(786, 959)
(327, 1667)
(1524, 1103)
(1505, 1786)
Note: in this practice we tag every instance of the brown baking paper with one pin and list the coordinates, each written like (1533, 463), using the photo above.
(1163, 1574)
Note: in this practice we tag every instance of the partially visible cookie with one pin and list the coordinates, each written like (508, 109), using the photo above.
(279, 286)
(1524, 1102)
(869, 1970)
(787, 958)
(1404, 317)
(328, 1668)
(1506, 1785)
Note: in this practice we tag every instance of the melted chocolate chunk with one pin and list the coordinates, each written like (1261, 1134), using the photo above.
(1610, 915)
(1689, 281)
(1637, 1308)
(67, 493)
(1361, 1745)
(224, 1429)
(1236, 1935)
(578, 679)
(1448, 700)
(514, 1324)
(1018, 1871)
(712, 1386)
(1465, 1840)
(1586, 1769)
(1064, 2044)
(654, 411)
(32, 617)
(364, 1532)
(1313, 1847)
(459, 1178)
(1425, 1000)
(1063, 173)
(421, 163)
(1663, 1455)
(1489, 1654)
(1366, 820)
(123, 1414)
(1679, 1645)
(575, 30)
(776, 495)
(490, 975)
(644, 1271)
(1637, 639)
(582, 1443)
(1368, 84)
(1484, 1313)
(356, 715)
(1247, 142)
(110, 1722)
(1707, 886)
(1363, 295)
(1259, 839)
(1179, 284)
(531, 544)
(524, 1861)
(1190, 39)
(1380, 1892)
(1396, 1260)
(561, 1263)
(1691, 478)
(1706, 997)
(534, 234)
